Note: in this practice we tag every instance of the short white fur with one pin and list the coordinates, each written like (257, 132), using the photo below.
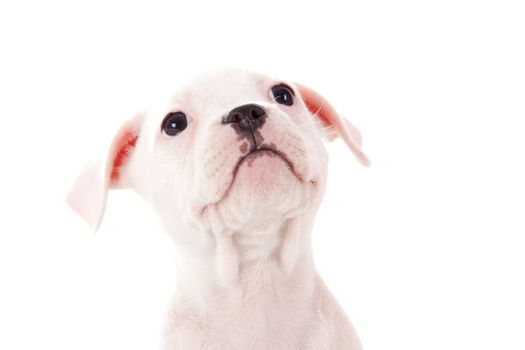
(241, 222)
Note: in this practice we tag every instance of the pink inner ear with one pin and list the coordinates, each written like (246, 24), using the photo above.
(317, 105)
(123, 147)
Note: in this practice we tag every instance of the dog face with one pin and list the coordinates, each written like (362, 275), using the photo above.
(231, 151)
(249, 151)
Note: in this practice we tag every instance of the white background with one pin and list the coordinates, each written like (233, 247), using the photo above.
(424, 250)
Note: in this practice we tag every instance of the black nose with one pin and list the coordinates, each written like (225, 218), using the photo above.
(246, 117)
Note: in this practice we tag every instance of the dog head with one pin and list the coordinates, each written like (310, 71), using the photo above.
(229, 150)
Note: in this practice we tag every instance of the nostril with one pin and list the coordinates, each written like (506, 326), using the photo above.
(256, 113)
(245, 117)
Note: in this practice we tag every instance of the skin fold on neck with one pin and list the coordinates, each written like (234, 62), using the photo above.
(237, 266)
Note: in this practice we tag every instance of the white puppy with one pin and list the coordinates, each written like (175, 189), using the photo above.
(235, 166)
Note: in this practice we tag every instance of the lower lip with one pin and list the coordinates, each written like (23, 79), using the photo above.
(250, 157)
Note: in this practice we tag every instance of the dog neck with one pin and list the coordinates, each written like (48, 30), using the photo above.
(231, 268)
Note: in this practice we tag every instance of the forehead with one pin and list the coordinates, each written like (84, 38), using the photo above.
(222, 89)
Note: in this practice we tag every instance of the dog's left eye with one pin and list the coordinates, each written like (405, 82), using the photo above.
(174, 123)
(283, 94)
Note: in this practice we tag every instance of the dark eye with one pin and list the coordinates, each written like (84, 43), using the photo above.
(174, 123)
(283, 94)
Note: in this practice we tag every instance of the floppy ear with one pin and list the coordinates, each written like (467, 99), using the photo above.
(336, 126)
(89, 193)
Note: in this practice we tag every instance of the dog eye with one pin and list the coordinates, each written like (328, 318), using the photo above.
(174, 123)
(283, 94)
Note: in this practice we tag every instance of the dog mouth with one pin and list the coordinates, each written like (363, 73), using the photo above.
(265, 152)
(249, 158)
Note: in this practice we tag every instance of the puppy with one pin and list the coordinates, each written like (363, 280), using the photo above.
(234, 165)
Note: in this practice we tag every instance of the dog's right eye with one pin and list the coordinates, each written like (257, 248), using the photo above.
(174, 123)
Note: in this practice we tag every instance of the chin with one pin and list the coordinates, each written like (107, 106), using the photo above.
(264, 185)
(264, 173)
